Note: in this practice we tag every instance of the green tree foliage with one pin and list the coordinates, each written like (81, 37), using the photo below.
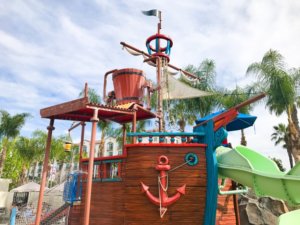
(280, 84)
(281, 136)
(235, 97)
(184, 111)
(206, 72)
(279, 164)
(10, 127)
(13, 165)
(92, 95)
(25, 148)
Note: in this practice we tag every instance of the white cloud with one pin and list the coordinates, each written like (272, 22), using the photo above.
(50, 49)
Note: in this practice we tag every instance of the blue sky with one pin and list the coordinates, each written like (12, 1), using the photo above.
(49, 49)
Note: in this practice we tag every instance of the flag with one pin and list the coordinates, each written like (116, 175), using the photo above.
(152, 12)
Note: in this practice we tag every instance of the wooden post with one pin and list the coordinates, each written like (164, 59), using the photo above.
(44, 173)
(134, 126)
(89, 183)
(159, 94)
(124, 135)
(81, 144)
(236, 204)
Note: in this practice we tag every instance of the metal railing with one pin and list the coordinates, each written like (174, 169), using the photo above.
(167, 138)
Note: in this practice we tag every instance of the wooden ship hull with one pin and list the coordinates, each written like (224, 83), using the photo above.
(121, 201)
(114, 185)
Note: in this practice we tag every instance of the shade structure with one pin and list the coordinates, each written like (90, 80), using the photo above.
(242, 120)
(29, 187)
(82, 110)
(175, 89)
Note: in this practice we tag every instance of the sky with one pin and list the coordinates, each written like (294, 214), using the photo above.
(50, 48)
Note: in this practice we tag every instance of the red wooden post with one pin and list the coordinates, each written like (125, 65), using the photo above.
(103, 167)
(89, 183)
(236, 204)
(159, 94)
(134, 126)
(81, 144)
(124, 136)
(44, 173)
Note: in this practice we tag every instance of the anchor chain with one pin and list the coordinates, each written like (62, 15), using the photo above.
(163, 210)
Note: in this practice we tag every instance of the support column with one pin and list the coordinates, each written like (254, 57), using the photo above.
(87, 206)
(134, 127)
(159, 95)
(81, 144)
(44, 173)
(124, 135)
(236, 204)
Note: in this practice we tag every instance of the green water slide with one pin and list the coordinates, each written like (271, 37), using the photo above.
(289, 218)
(252, 169)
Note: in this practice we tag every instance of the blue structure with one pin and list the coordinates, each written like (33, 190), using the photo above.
(13, 215)
(242, 121)
(73, 188)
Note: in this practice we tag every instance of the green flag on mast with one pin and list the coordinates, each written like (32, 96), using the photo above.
(152, 12)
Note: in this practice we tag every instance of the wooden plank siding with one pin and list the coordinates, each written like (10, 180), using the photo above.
(123, 203)
(225, 211)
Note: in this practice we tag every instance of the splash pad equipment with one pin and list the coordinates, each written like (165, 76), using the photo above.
(175, 171)
(129, 85)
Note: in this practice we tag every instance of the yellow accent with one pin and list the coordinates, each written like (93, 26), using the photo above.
(125, 106)
(67, 146)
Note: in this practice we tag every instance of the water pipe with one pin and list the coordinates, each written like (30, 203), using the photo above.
(231, 192)
(104, 86)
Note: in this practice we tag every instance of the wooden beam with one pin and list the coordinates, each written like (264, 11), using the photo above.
(65, 107)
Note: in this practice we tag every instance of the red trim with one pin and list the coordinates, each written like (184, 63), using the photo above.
(166, 145)
(123, 156)
(160, 54)
(160, 36)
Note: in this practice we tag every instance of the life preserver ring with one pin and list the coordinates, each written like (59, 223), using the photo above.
(191, 159)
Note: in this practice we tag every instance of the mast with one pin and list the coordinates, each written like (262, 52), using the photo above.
(159, 90)
(158, 56)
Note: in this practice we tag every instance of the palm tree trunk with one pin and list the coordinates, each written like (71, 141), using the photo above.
(294, 133)
(296, 155)
(102, 143)
(294, 117)
(2, 159)
(291, 160)
(181, 124)
(243, 138)
(23, 175)
(60, 169)
(34, 169)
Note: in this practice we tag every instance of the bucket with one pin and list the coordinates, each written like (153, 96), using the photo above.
(128, 85)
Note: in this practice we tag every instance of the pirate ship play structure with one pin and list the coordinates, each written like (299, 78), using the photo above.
(158, 180)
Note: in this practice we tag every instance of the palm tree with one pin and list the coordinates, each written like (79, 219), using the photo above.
(103, 126)
(281, 135)
(117, 133)
(180, 115)
(12, 166)
(39, 139)
(10, 127)
(26, 150)
(206, 72)
(183, 112)
(92, 96)
(234, 97)
(57, 154)
(280, 85)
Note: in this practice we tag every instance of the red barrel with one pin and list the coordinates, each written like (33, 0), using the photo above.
(128, 85)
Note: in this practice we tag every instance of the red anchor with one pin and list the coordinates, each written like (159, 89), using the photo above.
(163, 200)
